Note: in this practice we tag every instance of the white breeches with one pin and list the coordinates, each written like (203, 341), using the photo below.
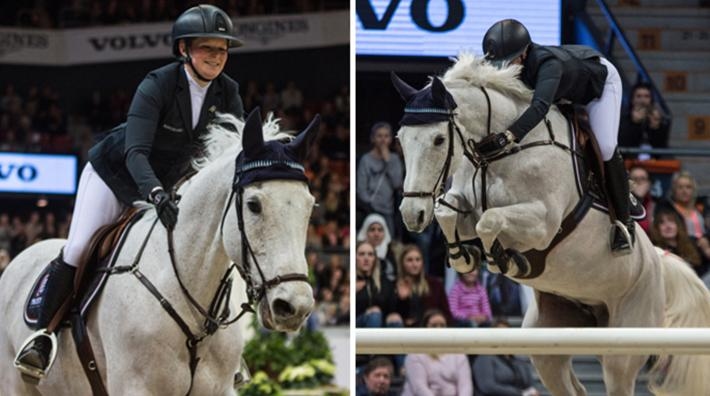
(95, 206)
(604, 112)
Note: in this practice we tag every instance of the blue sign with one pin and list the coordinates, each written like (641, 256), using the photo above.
(443, 28)
(38, 173)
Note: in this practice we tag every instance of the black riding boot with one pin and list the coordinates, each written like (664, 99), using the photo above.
(52, 291)
(622, 233)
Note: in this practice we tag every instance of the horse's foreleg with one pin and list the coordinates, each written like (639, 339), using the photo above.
(458, 224)
(521, 226)
(508, 230)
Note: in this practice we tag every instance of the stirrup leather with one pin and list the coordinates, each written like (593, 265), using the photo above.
(29, 372)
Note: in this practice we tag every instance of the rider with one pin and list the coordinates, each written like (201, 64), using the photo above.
(568, 73)
(144, 157)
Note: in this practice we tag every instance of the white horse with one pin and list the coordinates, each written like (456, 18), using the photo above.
(528, 194)
(140, 349)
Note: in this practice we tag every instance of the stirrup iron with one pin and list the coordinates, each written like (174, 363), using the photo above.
(29, 372)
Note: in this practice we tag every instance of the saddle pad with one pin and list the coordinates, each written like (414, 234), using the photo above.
(92, 284)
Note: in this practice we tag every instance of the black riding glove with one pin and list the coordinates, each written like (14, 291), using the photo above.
(166, 207)
(495, 144)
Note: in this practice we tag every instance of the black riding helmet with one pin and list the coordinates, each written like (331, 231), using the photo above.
(204, 20)
(505, 41)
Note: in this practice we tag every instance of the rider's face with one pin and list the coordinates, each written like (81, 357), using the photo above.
(209, 55)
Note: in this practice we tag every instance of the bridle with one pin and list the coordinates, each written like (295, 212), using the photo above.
(469, 151)
(217, 316)
(255, 292)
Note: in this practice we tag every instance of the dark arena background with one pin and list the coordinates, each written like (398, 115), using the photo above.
(70, 69)
(661, 47)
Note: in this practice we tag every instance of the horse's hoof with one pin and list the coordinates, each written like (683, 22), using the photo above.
(467, 259)
(520, 262)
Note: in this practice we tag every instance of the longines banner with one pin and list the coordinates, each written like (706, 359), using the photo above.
(443, 28)
(148, 41)
(38, 173)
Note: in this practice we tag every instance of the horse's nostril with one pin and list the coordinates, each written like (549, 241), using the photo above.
(420, 219)
(283, 308)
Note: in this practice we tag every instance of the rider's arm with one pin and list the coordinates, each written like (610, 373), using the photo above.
(548, 79)
(141, 125)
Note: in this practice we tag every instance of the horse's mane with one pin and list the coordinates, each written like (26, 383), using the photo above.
(471, 70)
(224, 137)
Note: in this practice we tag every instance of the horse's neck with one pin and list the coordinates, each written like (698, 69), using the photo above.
(199, 252)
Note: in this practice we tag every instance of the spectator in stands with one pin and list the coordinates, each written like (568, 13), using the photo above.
(683, 193)
(504, 295)
(374, 230)
(252, 97)
(143, 158)
(291, 97)
(4, 259)
(374, 293)
(468, 301)
(270, 99)
(415, 291)
(376, 378)
(5, 232)
(18, 241)
(437, 375)
(668, 232)
(643, 124)
(503, 375)
(379, 176)
(641, 188)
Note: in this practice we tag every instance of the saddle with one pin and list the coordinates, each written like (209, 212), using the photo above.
(90, 273)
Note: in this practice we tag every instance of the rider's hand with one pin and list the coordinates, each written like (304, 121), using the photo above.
(495, 144)
(166, 208)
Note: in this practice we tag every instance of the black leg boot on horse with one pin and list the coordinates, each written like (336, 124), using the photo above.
(622, 231)
(53, 290)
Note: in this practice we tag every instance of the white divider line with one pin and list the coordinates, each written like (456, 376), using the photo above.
(541, 341)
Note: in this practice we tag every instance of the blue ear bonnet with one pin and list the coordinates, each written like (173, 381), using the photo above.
(429, 105)
(272, 161)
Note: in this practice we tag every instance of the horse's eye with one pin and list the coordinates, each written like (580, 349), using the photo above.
(438, 140)
(254, 206)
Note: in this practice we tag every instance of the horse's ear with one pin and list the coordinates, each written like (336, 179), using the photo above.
(405, 90)
(439, 92)
(252, 135)
(304, 140)
(441, 96)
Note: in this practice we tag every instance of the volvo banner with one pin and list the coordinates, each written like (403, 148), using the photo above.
(152, 40)
(443, 28)
(38, 173)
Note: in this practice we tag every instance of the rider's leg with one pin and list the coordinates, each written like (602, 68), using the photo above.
(604, 114)
(95, 207)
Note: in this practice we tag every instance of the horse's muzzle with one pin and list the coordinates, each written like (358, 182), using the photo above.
(288, 307)
(417, 213)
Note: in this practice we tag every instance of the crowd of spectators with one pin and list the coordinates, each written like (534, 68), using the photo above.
(81, 13)
(32, 120)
